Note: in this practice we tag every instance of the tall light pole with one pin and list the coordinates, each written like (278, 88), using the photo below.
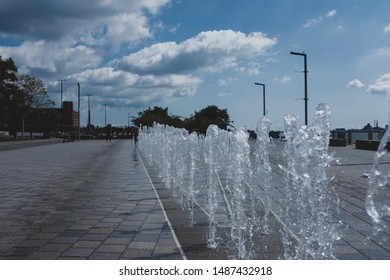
(78, 111)
(305, 77)
(62, 89)
(105, 115)
(89, 113)
(263, 85)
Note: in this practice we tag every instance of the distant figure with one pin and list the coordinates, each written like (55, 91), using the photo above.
(108, 133)
(134, 133)
(224, 125)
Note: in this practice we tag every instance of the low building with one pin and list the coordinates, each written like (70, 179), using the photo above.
(52, 121)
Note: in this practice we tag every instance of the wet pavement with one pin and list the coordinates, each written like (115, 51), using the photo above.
(81, 200)
(99, 200)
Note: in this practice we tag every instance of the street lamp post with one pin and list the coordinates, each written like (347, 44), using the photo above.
(305, 77)
(62, 88)
(89, 113)
(78, 111)
(263, 85)
(105, 115)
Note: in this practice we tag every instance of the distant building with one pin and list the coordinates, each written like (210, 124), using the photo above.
(366, 133)
(69, 117)
(53, 120)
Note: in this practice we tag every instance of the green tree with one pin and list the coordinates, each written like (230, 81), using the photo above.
(37, 118)
(159, 115)
(12, 98)
(35, 91)
(201, 120)
(198, 122)
(23, 100)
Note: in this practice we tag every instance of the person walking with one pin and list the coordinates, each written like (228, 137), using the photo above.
(135, 133)
(108, 133)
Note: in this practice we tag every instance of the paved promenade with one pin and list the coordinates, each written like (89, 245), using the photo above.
(97, 200)
(81, 200)
(351, 183)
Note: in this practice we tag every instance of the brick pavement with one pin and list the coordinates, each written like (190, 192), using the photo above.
(105, 207)
(81, 200)
(351, 183)
(20, 144)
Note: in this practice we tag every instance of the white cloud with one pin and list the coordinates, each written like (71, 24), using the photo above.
(381, 85)
(210, 51)
(127, 28)
(91, 22)
(47, 58)
(285, 79)
(331, 13)
(222, 94)
(387, 28)
(382, 51)
(70, 43)
(120, 88)
(355, 84)
(225, 82)
(162, 71)
(310, 22)
(314, 21)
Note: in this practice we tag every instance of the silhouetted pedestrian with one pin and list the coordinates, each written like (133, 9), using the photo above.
(135, 132)
(108, 133)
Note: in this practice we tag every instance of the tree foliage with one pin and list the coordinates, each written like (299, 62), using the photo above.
(12, 105)
(201, 120)
(19, 94)
(35, 91)
(159, 115)
(197, 122)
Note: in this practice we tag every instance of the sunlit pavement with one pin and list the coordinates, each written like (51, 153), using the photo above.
(80, 200)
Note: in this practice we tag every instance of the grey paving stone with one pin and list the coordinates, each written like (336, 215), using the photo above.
(86, 244)
(117, 240)
(54, 247)
(42, 255)
(111, 248)
(104, 256)
(93, 200)
(94, 237)
(137, 254)
(77, 252)
(73, 205)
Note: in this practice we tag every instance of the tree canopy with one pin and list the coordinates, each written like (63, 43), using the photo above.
(197, 122)
(19, 94)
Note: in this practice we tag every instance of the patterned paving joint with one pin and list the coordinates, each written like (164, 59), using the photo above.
(81, 200)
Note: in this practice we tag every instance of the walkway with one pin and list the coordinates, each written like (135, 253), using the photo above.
(95, 200)
(81, 200)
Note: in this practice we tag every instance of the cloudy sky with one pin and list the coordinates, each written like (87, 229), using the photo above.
(188, 54)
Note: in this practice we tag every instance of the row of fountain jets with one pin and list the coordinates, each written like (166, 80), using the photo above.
(234, 186)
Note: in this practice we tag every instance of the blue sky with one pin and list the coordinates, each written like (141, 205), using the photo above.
(188, 54)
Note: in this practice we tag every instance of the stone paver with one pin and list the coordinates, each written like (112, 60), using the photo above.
(95, 200)
(81, 200)
(13, 145)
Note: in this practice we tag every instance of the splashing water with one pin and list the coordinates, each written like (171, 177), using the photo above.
(239, 198)
(378, 193)
(194, 151)
(213, 156)
(308, 195)
(234, 192)
(262, 170)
